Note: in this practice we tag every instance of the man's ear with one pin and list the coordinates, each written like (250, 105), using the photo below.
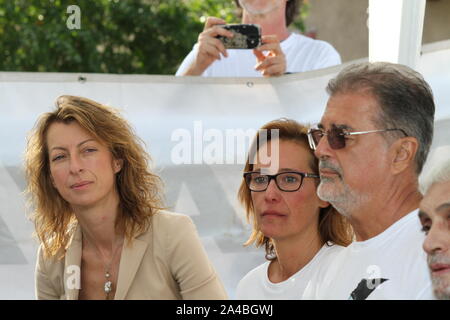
(118, 164)
(403, 154)
(323, 204)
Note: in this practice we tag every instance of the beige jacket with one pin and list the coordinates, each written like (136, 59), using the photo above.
(166, 262)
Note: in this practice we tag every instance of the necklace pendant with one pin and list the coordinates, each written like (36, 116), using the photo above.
(108, 287)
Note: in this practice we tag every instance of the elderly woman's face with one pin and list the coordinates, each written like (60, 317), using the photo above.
(82, 168)
(281, 214)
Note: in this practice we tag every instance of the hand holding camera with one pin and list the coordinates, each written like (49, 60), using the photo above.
(274, 62)
(209, 46)
(248, 36)
(217, 37)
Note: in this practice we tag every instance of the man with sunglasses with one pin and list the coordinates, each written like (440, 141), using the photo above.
(372, 142)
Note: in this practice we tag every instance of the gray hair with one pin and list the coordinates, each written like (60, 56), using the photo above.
(405, 100)
(439, 173)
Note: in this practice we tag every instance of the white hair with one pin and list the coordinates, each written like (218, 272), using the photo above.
(439, 173)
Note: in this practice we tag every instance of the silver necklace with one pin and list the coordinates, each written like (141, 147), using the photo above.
(108, 286)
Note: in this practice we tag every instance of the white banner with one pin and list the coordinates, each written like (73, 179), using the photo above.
(170, 113)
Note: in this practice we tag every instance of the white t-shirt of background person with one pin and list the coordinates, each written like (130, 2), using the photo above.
(391, 265)
(302, 54)
(257, 286)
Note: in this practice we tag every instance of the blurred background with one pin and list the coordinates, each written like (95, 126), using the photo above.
(155, 35)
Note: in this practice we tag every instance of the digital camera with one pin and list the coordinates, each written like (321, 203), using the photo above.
(246, 36)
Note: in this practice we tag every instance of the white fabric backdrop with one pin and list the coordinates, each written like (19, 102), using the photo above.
(157, 106)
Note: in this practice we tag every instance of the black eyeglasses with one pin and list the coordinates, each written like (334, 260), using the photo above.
(336, 136)
(288, 181)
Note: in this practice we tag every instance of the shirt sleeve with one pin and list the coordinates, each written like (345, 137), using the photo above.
(189, 263)
(187, 61)
(44, 288)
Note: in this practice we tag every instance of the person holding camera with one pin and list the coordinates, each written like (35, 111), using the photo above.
(281, 51)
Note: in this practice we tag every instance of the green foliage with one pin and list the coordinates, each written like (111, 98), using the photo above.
(116, 36)
(299, 22)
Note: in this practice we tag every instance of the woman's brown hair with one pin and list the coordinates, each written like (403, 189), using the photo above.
(139, 189)
(333, 227)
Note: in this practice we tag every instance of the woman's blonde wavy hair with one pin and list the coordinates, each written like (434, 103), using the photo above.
(333, 227)
(140, 191)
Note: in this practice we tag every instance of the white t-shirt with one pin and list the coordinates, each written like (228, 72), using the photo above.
(302, 54)
(257, 286)
(391, 265)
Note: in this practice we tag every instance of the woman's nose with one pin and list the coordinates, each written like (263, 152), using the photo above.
(272, 192)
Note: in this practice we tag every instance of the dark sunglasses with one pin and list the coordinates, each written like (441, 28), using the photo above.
(336, 136)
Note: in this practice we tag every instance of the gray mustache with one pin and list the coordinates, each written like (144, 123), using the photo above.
(323, 164)
(438, 258)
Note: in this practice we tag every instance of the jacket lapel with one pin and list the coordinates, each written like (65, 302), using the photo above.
(72, 266)
(130, 261)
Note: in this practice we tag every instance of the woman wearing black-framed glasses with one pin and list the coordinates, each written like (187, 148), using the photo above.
(300, 232)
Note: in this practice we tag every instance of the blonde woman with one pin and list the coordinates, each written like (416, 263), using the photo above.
(99, 215)
(300, 232)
